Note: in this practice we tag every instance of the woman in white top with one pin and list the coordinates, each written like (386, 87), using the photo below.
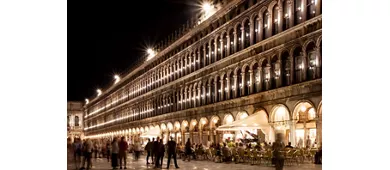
(114, 153)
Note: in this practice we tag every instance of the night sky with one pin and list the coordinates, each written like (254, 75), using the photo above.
(106, 37)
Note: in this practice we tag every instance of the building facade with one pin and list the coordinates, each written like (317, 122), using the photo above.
(75, 120)
(248, 57)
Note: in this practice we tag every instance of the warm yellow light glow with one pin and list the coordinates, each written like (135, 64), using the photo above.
(303, 108)
(194, 123)
(206, 6)
(117, 78)
(99, 92)
(215, 120)
(203, 122)
(86, 101)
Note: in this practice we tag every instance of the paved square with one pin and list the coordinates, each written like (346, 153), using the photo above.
(102, 164)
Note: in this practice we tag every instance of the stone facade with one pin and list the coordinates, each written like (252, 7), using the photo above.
(249, 57)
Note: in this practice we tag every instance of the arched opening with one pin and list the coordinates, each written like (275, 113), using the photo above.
(239, 82)
(194, 128)
(215, 135)
(228, 135)
(265, 24)
(275, 73)
(275, 20)
(298, 7)
(247, 81)
(239, 37)
(203, 124)
(241, 115)
(305, 128)
(225, 49)
(256, 28)
(231, 37)
(225, 87)
(256, 79)
(311, 9)
(189, 99)
(218, 56)
(280, 118)
(207, 54)
(266, 75)
(247, 33)
(219, 89)
(286, 10)
(213, 55)
(286, 69)
(212, 86)
(202, 57)
(313, 61)
(189, 64)
(203, 94)
(232, 86)
(298, 64)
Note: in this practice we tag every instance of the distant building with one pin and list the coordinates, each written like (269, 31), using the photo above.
(75, 120)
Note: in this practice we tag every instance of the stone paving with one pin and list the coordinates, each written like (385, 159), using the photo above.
(102, 164)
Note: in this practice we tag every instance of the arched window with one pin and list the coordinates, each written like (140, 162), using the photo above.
(219, 89)
(231, 37)
(247, 33)
(298, 64)
(212, 91)
(201, 50)
(188, 66)
(266, 75)
(219, 49)
(225, 87)
(203, 94)
(196, 59)
(207, 54)
(298, 7)
(256, 28)
(265, 25)
(247, 82)
(286, 15)
(286, 69)
(240, 85)
(213, 55)
(256, 79)
(312, 59)
(275, 72)
(275, 23)
(225, 49)
(311, 9)
(76, 121)
(232, 87)
(239, 37)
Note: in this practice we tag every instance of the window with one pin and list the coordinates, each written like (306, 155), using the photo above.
(76, 121)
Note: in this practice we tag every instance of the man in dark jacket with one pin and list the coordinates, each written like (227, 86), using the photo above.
(148, 149)
(155, 151)
(172, 152)
(161, 152)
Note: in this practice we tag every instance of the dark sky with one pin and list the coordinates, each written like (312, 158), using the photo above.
(106, 37)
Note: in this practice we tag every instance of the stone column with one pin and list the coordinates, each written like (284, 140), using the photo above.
(210, 52)
(251, 84)
(228, 45)
(243, 84)
(251, 31)
(181, 98)
(222, 49)
(304, 10)
(215, 49)
(235, 40)
(199, 99)
(242, 37)
(318, 7)
(228, 87)
(194, 96)
(236, 88)
(198, 66)
(185, 99)
(261, 88)
(280, 19)
(215, 91)
(209, 94)
(268, 70)
(203, 99)
(204, 55)
(279, 78)
(317, 68)
(222, 90)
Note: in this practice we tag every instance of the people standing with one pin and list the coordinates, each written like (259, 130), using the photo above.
(161, 152)
(108, 149)
(156, 153)
(172, 152)
(277, 147)
(188, 149)
(114, 153)
(87, 154)
(308, 142)
(152, 148)
(137, 149)
(123, 146)
(148, 149)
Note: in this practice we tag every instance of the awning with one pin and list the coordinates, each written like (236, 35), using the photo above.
(256, 121)
(151, 133)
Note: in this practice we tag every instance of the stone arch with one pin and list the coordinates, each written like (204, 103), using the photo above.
(242, 115)
(229, 72)
(142, 129)
(253, 63)
(184, 125)
(294, 47)
(319, 110)
(303, 106)
(307, 43)
(236, 70)
(229, 30)
(244, 67)
(319, 41)
(193, 124)
(244, 20)
(203, 122)
(253, 16)
(261, 11)
(170, 126)
(146, 128)
(271, 5)
(215, 121)
(177, 126)
(163, 127)
(283, 114)
(235, 26)
(228, 118)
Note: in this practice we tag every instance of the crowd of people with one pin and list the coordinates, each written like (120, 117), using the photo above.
(116, 151)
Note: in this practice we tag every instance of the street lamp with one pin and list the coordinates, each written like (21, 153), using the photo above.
(117, 78)
(86, 101)
(99, 92)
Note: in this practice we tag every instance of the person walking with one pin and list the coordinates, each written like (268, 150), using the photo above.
(161, 152)
(137, 149)
(148, 149)
(114, 153)
(77, 147)
(277, 147)
(153, 154)
(188, 150)
(123, 146)
(156, 153)
(172, 152)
